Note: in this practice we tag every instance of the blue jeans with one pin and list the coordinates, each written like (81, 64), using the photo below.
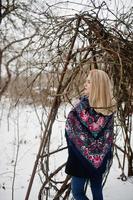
(78, 184)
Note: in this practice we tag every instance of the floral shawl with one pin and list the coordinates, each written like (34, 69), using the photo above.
(90, 132)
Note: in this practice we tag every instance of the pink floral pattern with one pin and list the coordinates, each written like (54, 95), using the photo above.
(91, 132)
(92, 125)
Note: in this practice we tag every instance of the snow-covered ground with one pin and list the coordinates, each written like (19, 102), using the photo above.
(20, 131)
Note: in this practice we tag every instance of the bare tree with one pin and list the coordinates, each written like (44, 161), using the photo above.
(88, 39)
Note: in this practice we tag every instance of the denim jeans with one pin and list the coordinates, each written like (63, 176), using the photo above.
(78, 184)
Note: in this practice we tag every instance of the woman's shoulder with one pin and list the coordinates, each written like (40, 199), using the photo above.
(84, 99)
(79, 100)
(79, 103)
(82, 103)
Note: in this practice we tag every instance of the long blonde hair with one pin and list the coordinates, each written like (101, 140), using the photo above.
(101, 92)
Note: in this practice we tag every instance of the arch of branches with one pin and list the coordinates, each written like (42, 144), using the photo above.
(78, 44)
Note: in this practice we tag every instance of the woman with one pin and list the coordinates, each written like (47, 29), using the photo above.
(89, 135)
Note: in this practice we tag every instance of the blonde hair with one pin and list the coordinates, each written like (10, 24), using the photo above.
(101, 92)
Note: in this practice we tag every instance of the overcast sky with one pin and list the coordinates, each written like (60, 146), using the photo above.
(72, 6)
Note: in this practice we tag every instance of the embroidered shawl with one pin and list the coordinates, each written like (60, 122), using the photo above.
(90, 132)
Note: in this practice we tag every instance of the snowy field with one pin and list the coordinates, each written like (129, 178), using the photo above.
(20, 134)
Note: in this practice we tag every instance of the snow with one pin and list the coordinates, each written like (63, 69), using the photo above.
(20, 130)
